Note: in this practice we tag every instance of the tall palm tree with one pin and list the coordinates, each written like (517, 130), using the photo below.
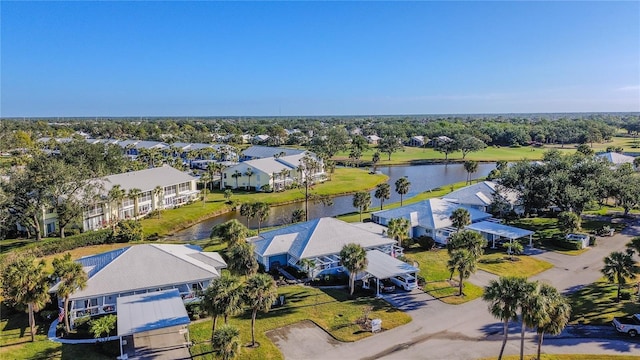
(72, 278)
(25, 283)
(223, 298)
(468, 240)
(247, 210)
(205, 178)
(249, 174)
(361, 201)
(634, 245)
(398, 229)
(241, 260)
(470, 166)
(383, 193)
(532, 308)
(261, 212)
(354, 259)
(402, 187)
(260, 291)
(375, 159)
(460, 218)
(504, 296)
(236, 175)
(158, 192)
(231, 232)
(134, 194)
(618, 267)
(308, 265)
(558, 313)
(219, 168)
(465, 263)
(116, 194)
(226, 342)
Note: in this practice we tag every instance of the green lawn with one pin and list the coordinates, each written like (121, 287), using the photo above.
(596, 304)
(343, 181)
(330, 309)
(498, 263)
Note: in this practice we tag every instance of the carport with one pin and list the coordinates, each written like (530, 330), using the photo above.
(157, 321)
(383, 266)
(492, 231)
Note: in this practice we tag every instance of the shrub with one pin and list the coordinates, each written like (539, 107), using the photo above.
(568, 245)
(426, 242)
(592, 240)
(55, 246)
(568, 221)
(128, 230)
(103, 326)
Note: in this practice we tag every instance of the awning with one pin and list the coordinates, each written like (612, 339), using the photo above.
(150, 311)
(383, 266)
(504, 231)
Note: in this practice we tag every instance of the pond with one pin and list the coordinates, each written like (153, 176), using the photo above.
(422, 178)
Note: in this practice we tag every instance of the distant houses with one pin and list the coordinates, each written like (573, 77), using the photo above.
(417, 141)
(263, 152)
(616, 159)
(482, 195)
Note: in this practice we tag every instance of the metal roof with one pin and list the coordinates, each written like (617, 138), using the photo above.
(150, 311)
(383, 266)
(268, 152)
(505, 231)
(616, 158)
(147, 179)
(430, 214)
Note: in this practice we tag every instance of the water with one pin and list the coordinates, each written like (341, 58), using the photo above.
(422, 178)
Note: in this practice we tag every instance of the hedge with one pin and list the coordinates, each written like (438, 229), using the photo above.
(55, 246)
(564, 244)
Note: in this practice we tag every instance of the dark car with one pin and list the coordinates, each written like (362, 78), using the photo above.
(387, 286)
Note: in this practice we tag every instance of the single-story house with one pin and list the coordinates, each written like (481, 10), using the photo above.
(141, 269)
(417, 141)
(616, 159)
(373, 139)
(260, 139)
(319, 240)
(429, 218)
(481, 195)
(132, 148)
(263, 152)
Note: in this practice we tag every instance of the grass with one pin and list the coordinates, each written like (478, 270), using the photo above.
(568, 357)
(330, 309)
(498, 263)
(596, 304)
(343, 181)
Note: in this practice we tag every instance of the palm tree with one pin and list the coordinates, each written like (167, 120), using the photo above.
(308, 265)
(261, 212)
(72, 278)
(249, 173)
(398, 229)
(361, 201)
(383, 193)
(219, 168)
(158, 192)
(25, 283)
(223, 298)
(504, 296)
(460, 218)
(241, 260)
(297, 216)
(558, 313)
(532, 308)
(260, 292)
(247, 210)
(470, 166)
(226, 342)
(227, 195)
(205, 179)
(354, 259)
(465, 263)
(116, 194)
(134, 194)
(236, 175)
(619, 266)
(468, 240)
(232, 232)
(634, 245)
(402, 187)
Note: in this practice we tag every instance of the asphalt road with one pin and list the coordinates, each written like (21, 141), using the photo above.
(468, 331)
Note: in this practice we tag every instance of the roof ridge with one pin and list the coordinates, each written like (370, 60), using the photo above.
(205, 267)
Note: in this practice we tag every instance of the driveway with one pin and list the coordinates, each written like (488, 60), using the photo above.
(468, 331)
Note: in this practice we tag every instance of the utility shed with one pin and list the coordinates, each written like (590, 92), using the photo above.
(160, 316)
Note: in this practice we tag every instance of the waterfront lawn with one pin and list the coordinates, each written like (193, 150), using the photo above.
(343, 181)
(329, 308)
(595, 304)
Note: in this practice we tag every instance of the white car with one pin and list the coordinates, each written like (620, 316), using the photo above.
(405, 281)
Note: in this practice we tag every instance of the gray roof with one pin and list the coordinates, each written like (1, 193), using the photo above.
(430, 214)
(383, 266)
(505, 231)
(146, 266)
(197, 146)
(150, 311)
(147, 179)
(616, 158)
(143, 144)
(262, 152)
(481, 194)
(324, 236)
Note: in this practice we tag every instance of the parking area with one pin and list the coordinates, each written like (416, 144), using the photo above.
(290, 340)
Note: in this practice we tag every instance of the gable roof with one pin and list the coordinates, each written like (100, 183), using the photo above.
(324, 236)
(430, 214)
(481, 194)
(146, 266)
(146, 179)
(616, 158)
(262, 152)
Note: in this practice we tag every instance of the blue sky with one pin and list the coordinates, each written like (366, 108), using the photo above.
(317, 58)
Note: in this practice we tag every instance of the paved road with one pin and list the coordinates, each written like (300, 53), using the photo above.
(468, 331)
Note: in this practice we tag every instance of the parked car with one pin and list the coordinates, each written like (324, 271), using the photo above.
(405, 281)
(629, 325)
(387, 286)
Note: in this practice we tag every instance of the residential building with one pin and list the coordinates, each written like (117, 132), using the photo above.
(373, 139)
(417, 141)
(262, 152)
(141, 269)
(481, 195)
(616, 159)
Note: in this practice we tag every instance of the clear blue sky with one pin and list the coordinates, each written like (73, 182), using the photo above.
(317, 58)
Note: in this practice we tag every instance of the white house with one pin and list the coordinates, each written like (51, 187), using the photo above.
(429, 218)
(373, 139)
(321, 241)
(481, 195)
(616, 159)
(263, 152)
(141, 269)
(417, 141)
